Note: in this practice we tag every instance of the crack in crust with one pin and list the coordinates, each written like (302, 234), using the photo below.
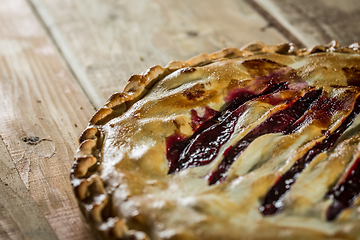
(89, 189)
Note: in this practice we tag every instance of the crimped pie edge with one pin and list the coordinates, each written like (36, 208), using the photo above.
(88, 187)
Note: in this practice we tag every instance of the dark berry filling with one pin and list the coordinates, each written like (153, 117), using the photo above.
(281, 121)
(197, 121)
(344, 193)
(203, 146)
(274, 199)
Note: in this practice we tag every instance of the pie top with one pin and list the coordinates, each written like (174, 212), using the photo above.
(257, 143)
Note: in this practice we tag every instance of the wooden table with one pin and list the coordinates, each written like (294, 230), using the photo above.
(61, 59)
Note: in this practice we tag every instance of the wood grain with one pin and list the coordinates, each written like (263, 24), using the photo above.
(43, 112)
(316, 22)
(45, 107)
(105, 42)
(15, 201)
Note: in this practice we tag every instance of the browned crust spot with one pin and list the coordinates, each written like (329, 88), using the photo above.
(261, 67)
(195, 92)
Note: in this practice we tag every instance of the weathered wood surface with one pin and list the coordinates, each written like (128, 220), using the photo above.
(45, 107)
(42, 113)
(20, 218)
(105, 42)
(315, 22)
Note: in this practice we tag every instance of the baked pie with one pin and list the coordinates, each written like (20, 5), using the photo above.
(257, 143)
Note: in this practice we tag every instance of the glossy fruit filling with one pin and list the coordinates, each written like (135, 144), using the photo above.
(282, 121)
(213, 129)
(274, 199)
(204, 145)
(344, 193)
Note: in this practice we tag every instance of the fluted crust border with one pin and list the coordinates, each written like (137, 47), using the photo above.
(88, 187)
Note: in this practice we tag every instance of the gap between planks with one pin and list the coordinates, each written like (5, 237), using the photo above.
(40, 98)
(278, 23)
(313, 22)
(67, 56)
(104, 43)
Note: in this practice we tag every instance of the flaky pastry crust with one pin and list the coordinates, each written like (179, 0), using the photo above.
(121, 174)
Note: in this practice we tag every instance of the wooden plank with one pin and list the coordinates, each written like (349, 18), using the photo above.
(42, 113)
(107, 41)
(316, 22)
(15, 201)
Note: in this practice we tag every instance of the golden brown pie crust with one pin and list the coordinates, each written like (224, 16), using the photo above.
(120, 174)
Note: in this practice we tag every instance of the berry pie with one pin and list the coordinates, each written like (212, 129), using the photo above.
(256, 143)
